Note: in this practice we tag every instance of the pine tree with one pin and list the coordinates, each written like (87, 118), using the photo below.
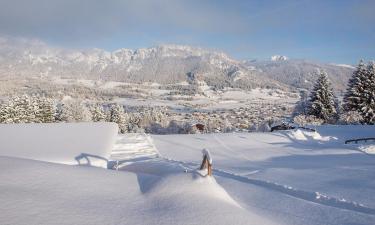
(367, 104)
(354, 94)
(73, 111)
(322, 104)
(97, 113)
(44, 110)
(6, 110)
(117, 115)
(360, 95)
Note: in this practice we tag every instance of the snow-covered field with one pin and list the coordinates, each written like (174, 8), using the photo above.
(287, 177)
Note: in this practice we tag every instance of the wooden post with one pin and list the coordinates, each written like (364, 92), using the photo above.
(209, 169)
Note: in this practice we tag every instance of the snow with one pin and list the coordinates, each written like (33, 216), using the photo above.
(67, 143)
(207, 153)
(306, 135)
(285, 177)
(279, 58)
(313, 178)
(140, 193)
(343, 65)
(369, 149)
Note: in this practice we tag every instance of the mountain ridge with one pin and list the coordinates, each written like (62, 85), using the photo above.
(165, 64)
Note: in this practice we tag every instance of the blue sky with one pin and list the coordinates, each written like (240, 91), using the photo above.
(329, 31)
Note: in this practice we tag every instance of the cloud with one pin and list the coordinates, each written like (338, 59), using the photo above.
(245, 28)
(73, 19)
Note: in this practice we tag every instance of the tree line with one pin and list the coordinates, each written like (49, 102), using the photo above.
(358, 106)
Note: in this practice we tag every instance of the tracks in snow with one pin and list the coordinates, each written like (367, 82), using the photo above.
(314, 197)
(134, 147)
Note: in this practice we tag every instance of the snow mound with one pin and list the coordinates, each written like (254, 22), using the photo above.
(66, 143)
(89, 195)
(306, 135)
(369, 149)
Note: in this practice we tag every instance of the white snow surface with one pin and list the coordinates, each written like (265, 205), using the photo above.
(369, 149)
(207, 153)
(258, 178)
(67, 143)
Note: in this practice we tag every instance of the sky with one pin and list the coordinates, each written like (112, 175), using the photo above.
(337, 31)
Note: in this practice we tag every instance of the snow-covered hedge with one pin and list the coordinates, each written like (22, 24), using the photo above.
(67, 143)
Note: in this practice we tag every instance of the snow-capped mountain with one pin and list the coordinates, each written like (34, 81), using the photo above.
(165, 64)
(302, 73)
(279, 58)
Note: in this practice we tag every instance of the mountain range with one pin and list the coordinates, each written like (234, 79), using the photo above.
(165, 64)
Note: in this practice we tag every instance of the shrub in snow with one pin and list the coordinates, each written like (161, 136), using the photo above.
(190, 128)
(253, 127)
(303, 120)
(300, 120)
(322, 101)
(302, 105)
(175, 127)
(351, 117)
(313, 120)
(264, 127)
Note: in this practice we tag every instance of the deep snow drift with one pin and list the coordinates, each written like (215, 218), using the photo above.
(292, 177)
(67, 143)
(287, 177)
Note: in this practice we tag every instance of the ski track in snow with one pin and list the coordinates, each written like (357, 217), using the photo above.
(139, 147)
(314, 197)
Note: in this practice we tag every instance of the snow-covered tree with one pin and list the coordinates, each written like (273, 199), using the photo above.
(44, 109)
(303, 120)
(351, 117)
(302, 104)
(117, 115)
(354, 93)
(73, 111)
(6, 112)
(18, 109)
(322, 101)
(360, 94)
(97, 113)
(367, 106)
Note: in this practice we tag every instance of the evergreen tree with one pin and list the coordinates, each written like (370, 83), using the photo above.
(367, 104)
(73, 111)
(117, 115)
(97, 113)
(322, 103)
(360, 95)
(6, 111)
(44, 110)
(354, 94)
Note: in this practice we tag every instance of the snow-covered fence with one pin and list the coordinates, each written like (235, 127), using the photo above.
(359, 140)
(67, 143)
